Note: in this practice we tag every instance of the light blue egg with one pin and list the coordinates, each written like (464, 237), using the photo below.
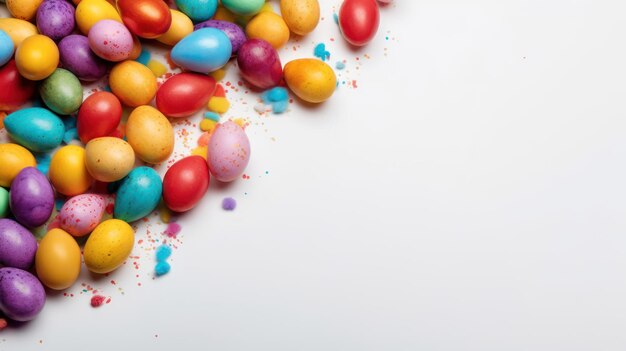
(202, 51)
(6, 47)
(138, 195)
(35, 128)
(197, 10)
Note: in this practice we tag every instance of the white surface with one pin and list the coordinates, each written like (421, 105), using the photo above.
(469, 195)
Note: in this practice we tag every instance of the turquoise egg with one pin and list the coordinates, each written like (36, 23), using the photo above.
(35, 128)
(244, 7)
(138, 195)
(6, 47)
(62, 92)
(197, 10)
(203, 51)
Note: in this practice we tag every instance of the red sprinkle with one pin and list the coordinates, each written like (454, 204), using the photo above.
(97, 300)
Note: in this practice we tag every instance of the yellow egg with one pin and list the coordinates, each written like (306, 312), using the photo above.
(37, 57)
(13, 159)
(310, 79)
(181, 26)
(269, 27)
(23, 9)
(17, 29)
(88, 12)
(68, 172)
(133, 83)
(301, 16)
(108, 246)
(109, 159)
(58, 260)
(150, 134)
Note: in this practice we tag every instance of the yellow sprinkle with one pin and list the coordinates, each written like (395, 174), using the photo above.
(199, 151)
(223, 14)
(240, 122)
(207, 125)
(219, 104)
(157, 68)
(219, 74)
(165, 214)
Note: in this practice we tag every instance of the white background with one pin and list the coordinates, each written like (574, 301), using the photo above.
(469, 195)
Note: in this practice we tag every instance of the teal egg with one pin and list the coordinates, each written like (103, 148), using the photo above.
(62, 92)
(197, 10)
(6, 47)
(244, 7)
(35, 128)
(203, 51)
(4, 202)
(138, 195)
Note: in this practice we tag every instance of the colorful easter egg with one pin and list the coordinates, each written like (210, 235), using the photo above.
(110, 40)
(228, 152)
(13, 159)
(259, 64)
(31, 197)
(37, 57)
(81, 214)
(98, 116)
(185, 183)
(244, 7)
(133, 83)
(109, 159)
(17, 29)
(22, 296)
(23, 9)
(90, 12)
(358, 21)
(77, 57)
(197, 10)
(62, 92)
(145, 18)
(68, 172)
(202, 51)
(35, 128)
(57, 261)
(180, 27)
(17, 245)
(233, 32)
(16, 90)
(55, 19)
(6, 47)
(108, 246)
(138, 194)
(269, 27)
(150, 134)
(310, 79)
(301, 16)
(184, 94)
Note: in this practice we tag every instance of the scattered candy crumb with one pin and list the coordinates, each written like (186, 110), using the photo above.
(229, 204)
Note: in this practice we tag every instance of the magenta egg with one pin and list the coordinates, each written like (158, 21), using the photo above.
(259, 63)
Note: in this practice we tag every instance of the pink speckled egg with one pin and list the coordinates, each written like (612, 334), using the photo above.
(228, 152)
(111, 40)
(81, 214)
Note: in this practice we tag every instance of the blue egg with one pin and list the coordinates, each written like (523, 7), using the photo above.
(6, 47)
(35, 128)
(138, 195)
(203, 51)
(197, 10)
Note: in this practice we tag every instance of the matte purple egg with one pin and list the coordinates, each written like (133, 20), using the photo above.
(22, 296)
(31, 197)
(17, 245)
(55, 19)
(233, 32)
(77, 57)
(259, 63)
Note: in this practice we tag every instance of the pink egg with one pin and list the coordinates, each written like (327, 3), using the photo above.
(82, 213)
(228, 152)
(110, 40)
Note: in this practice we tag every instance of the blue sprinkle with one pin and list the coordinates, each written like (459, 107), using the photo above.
(336, 18)
(340, 65)
(163, 252)
(162, 268)
(229, 204)
(320, 52)
(70, 135)
(144, 57)
(58, 203)
(280, 106)
(277, 94)
(212, 116)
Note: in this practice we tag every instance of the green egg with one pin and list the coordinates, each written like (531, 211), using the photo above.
(62, 92)
(244, 7)
(4, 202)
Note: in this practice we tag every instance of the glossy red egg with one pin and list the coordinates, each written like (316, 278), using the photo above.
(185, 183)
(98, 116)
(145, 18)
(358, 21)
(15, 90)
(184, 94)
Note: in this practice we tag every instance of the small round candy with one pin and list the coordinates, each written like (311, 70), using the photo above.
(110, 40)
(6, 47)
(269, 27)
(22, 296)
(55, 19)
(133, 83)
(62, 92)
(37, 57)
(77, 57)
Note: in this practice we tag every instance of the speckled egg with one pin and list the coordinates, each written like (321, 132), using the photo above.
(62, 92)
(108, 246)
(150, 134)
(22, 296)
(180, 27)
(244, 7)
(89, 12)
(23, 9)
(77, 57)
(269, 27)
(133, 83)
(109, 159)
(13, 158)
(81, 214)
(35, 128)
(228, 152)
(233, 32)
(138, 194)
(197, 10)
(17, 245)
(31, 197)
(55, 19)
(68, 172)
(37, 57)
(301, 16)
(17, 29)
(310, 79)
(57, 261)
(110, 40)
(6, 47)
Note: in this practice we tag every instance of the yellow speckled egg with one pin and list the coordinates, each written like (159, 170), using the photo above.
(68, 172)
(23, 9)
(310, 79)
(150, 134)
(181, 26)
(109, 159)
(17, 29)
(57, 260)
(37, 57)
(108, 246)
(301, 16)
(13, 159)
(133, 83)
(88, 12)
(269, 27)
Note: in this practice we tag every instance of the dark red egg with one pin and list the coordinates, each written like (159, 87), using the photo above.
(185, 183)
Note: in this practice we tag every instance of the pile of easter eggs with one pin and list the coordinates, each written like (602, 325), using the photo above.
(49, 48)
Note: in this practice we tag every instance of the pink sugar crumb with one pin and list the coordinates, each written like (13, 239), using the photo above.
(172, 230)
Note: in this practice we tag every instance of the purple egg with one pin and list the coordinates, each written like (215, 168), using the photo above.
(55, 19)
(17, 245)
(259, 63)
(21, 294)
(31, 197)
(77, 57)
(233, 32)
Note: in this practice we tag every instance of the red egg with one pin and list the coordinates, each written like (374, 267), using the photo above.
(14, 89)
(184, 94)
(98, 116)
(185, 183)
(358, 21)
(145, 18)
